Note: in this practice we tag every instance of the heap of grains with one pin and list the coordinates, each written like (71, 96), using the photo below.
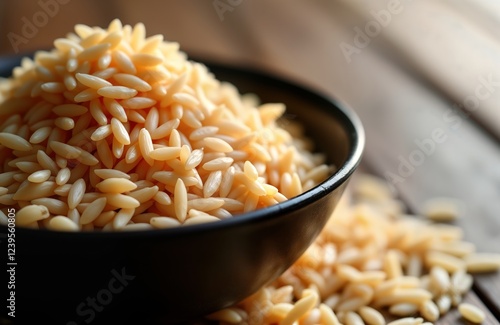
(113, 130)
(374, 265)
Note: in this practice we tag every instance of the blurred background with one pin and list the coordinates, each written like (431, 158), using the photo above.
(424, 76)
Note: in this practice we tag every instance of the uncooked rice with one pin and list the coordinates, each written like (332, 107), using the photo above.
(107, 109)
(370, 265)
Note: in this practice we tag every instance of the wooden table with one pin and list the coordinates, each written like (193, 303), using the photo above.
(405, 84)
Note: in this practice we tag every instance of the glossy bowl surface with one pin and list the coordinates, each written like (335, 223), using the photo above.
(172, 275)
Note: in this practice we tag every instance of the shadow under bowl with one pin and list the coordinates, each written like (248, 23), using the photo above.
(172, 275)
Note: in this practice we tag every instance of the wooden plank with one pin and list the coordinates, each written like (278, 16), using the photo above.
(424, 35)
(58, 24)
(464, 167)
(4, 27)
(486, 286)
(400, 111)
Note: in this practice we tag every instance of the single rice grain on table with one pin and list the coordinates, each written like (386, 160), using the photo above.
(471, 313)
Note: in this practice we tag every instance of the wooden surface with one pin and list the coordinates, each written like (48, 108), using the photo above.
(429, 58)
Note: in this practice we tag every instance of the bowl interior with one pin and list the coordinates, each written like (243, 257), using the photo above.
(335, 130)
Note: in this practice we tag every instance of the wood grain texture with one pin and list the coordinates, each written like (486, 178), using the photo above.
(452, 45)
(60, 22)
(301, 41)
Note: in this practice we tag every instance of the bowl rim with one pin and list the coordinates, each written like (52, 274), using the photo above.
(348, 118)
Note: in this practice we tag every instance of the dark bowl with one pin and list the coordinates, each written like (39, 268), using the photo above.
(171, 275)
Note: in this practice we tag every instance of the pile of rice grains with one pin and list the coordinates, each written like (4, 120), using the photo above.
(115, 131)
(373, 264)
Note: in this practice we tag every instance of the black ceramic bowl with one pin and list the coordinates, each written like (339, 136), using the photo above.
(180, 274)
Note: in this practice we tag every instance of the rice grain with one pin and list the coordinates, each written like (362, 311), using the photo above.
(131, 81)
(76, 193)
(62, 223)
(371, 316)
(180, 200)
(482, 262)
(40, 135)
(201, 219)
(39, 176)
(146, 145)
(117, 92)
(120, 132)
(93, 211)
(165, 154)
(429, 311)
(110, 173)
(30, 214)
(136, 102)
(352, 318)
(471, 313)
(164, 222)
(123, 217)
(65, 123)
(116, 185)
(122, 201)
(14, 142)
(92, 81)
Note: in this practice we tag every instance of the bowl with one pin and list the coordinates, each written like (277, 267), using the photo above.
(173, 275)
